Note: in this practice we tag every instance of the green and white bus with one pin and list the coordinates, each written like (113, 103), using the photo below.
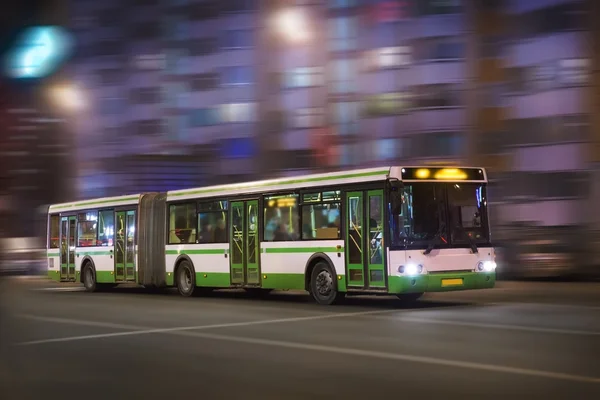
(395, 230)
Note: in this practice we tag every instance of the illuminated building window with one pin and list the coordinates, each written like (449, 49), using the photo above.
(304, 77)
(388, 57)
(387, 104)
(238, 112)
(574, 71)
(308, 118)
(238, 38)
(342, 33)
(203, 117)
(238, 75)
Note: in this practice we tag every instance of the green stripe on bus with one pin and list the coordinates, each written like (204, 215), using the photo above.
(93, 203)
(303, 250)
(93, 253)
(285, 182)
(199, 251)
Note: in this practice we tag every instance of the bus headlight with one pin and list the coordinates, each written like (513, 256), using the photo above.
(486, 266)
(411, 269)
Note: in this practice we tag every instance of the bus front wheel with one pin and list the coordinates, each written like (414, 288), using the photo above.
(89, 278)
(323, 286)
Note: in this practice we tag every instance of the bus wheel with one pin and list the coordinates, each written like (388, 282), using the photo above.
(409, 297)
(323, 287)
(89, 278)
(186, 279)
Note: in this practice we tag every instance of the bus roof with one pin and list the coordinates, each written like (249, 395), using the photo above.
(416, 173)
(93, 203)
(292, 183)
(435, 173)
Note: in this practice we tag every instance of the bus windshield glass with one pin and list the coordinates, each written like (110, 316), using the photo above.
(452, 214)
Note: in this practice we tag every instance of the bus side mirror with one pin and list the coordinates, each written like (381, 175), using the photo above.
(396, 198)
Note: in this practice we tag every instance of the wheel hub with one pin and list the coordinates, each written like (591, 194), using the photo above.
(324, 283)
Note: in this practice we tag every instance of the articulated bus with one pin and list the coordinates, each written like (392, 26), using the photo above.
(398, 231)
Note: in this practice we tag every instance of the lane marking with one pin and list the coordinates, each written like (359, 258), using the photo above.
(490, 326)
(397, 357)
(532, 304)
(320, 348)
(60, 289)
(145, 330)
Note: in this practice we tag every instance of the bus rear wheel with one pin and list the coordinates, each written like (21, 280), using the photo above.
(323, 286)
(185, 279)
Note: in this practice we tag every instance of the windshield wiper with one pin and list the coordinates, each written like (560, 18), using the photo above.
(469, 238)
(434, 240)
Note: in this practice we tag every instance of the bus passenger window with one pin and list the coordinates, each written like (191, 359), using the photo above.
(212, 222)
(54, 232)
(281, 221)
(321, 221)
(106, 228)
(182, 223)
(86, 229)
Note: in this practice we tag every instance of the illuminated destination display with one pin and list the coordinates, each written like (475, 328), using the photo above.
(441, 174)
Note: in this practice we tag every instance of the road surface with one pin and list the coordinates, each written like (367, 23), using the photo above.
(519, 341)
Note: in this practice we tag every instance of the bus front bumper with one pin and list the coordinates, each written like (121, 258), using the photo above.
(442, 282)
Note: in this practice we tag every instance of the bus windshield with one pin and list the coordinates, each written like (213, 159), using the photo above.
(453, 214)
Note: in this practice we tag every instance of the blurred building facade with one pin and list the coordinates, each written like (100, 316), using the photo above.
(185, 93)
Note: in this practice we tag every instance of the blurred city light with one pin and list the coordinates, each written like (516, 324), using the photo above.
(292, 24)
(69, 97)
(38, 52)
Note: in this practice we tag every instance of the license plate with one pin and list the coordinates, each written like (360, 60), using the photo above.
(452, 282)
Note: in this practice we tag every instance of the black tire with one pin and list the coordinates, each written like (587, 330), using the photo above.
(409, 297)
(185, 279)
(323, 285)
(88, 277)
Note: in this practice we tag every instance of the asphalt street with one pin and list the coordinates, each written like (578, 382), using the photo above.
(520, 340)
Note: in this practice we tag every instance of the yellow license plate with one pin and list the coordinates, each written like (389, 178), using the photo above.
(452, 282)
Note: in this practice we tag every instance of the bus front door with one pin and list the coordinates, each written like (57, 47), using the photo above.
(364, 240)
(68, 226)
(125, 246)
(244, 243)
